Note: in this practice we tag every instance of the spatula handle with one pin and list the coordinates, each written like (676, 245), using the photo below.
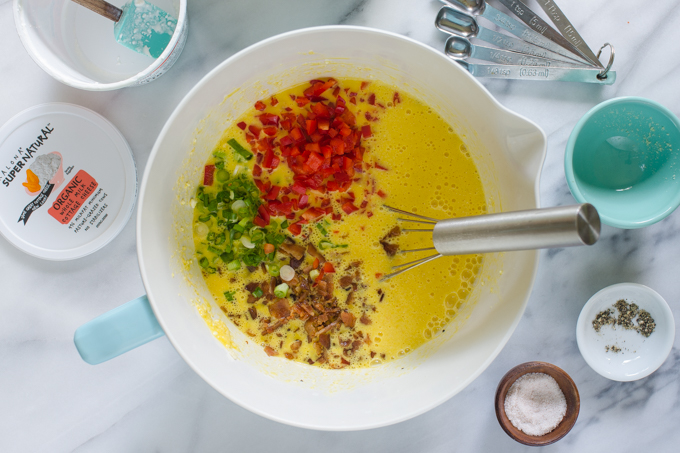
(102, 8)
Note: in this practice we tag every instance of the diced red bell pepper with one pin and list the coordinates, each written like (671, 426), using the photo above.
(364, 85)
(321, 110)
(286, 141)
(302, 101)
(208, 175)
(312, 214)
(310, 126)
(298, 188)
(259, 221)
(269, 119)
(263, 186)
(254, 130)
(259, 105)
(264, 214)
(378, 166)
(328, 267)
(270, 131)
(303, 202)
(257, 171)
(332, 186)
(349, 208)
(296, 134)
(338, 145)
(273, 101)
(273, 193)
(295, 228)
(371, 99)
(366, 131)
(382, 194)
(336, 217)
(242, 125)
(315, 160)
(315, 263)
(396, 99)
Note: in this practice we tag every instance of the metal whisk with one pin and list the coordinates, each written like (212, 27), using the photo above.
(564, 226)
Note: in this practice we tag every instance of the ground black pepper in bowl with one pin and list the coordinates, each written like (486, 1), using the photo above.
(630, 317)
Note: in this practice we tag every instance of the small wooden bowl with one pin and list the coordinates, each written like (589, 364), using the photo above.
(570, 394)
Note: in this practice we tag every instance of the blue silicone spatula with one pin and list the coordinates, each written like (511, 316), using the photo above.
(140, 26)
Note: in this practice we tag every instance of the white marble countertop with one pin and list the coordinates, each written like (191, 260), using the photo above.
(150, 400)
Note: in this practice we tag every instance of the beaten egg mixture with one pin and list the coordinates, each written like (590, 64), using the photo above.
(339, 314)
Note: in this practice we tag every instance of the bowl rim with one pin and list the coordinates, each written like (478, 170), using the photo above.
(569, 162)
(536, 367)
(97, 86)
(661, 303)
(155, 152)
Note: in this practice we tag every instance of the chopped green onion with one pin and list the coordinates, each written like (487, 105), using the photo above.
(281, 291)
(211, 236)
(219, 154)
(240, 150)
(229, 295)
(204, 218)
(284, 224)
(227, 257)
(273, 269)
(211, 270)
(323, 245)
(321, 229)
(238, 205)
(247, 243)
(204, 262)
(220, 165)
(222, 175)
(258, 292)
(239, 228)
(252, 259)
(314, 273)
(214, 250)
(234, 265)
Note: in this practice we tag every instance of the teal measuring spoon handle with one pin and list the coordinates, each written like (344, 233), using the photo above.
(117, 331)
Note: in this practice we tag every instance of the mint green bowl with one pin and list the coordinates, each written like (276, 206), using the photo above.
(622, 157)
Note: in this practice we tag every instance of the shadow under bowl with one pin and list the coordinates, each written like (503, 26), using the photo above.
(622, 157)
(565, 383)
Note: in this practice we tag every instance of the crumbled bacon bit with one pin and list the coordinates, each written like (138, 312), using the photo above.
(325, 340)
(253, 312)
(348, 319)
(365, 319)
(390, 249)
(270, 352)
(280, 309)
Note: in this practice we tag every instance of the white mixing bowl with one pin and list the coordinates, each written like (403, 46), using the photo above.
(508, 150)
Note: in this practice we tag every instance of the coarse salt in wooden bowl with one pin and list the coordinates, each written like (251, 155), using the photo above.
(568, 388)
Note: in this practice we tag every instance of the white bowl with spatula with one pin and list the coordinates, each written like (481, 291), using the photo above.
(93, 50)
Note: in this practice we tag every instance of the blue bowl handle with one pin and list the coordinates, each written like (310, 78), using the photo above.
(117, 331)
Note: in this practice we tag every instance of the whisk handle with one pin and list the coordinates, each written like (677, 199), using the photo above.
(564, 226)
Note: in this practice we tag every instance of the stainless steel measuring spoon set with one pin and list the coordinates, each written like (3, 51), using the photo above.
(535, 51)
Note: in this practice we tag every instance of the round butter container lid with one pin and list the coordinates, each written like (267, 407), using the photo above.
(68, 181)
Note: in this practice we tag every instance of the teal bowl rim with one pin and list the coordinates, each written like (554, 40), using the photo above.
(569, 169)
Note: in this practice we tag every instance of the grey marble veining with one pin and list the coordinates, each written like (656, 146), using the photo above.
(150, 400)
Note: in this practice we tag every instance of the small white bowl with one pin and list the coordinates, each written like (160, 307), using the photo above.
(77, 47)
(639, 356)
